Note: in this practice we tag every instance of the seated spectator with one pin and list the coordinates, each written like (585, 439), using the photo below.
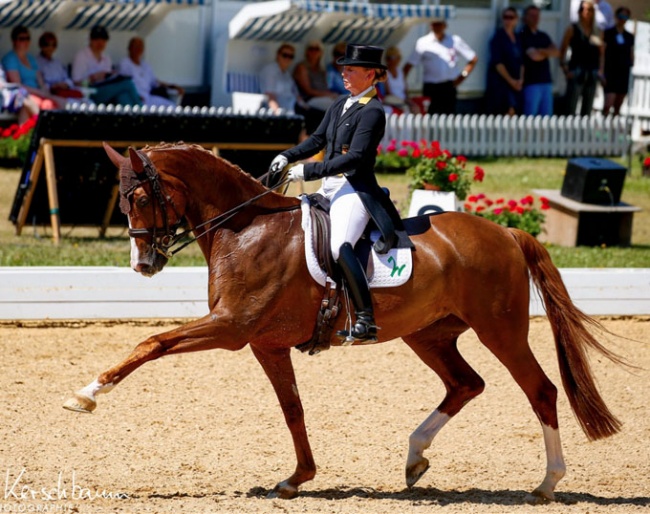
(311, 78)
(15, 99)
(52, 69)
(505, 69)
(151, 90)
(276, 81)
(92, 67)
(333, 70)
(619, 59)
(395, 85)
(22, 69)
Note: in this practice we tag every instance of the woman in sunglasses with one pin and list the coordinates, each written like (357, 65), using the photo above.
(277, 83)
(21, 68)
(619, 59)
(505, 77)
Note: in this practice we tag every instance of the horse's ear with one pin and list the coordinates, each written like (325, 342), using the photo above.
(113, 155)
(136, 161)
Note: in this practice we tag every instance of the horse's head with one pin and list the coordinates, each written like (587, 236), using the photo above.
(154, 207)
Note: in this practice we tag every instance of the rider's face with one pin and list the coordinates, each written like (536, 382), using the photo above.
(357, 79)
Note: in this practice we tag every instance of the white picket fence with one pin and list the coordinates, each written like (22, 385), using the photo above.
(484, 135)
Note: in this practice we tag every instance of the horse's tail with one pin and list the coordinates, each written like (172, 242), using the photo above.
(572, 337)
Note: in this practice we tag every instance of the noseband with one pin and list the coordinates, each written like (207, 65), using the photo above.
(160, 242)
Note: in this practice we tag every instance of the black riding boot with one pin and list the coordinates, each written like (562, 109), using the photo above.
(364, 329)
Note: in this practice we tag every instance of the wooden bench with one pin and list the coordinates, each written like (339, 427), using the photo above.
(571, 223)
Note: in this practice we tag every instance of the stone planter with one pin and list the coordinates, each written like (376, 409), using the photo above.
(431, 201)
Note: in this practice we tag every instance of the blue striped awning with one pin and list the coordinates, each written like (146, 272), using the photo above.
(83, 14)
(294, 20)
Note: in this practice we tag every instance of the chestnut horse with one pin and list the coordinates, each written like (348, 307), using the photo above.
(468, 273)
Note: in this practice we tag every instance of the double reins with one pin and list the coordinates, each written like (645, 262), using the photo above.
(164, 244)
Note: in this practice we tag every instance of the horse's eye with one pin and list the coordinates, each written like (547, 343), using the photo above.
(143, 201)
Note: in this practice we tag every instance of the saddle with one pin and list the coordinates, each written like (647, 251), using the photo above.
(386, 270)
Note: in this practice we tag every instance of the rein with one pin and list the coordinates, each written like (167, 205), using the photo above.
(163, 244)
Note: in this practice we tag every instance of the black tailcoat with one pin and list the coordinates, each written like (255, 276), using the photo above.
(350, 141)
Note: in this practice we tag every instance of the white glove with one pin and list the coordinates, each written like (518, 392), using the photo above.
(296, 173)
(278, 164)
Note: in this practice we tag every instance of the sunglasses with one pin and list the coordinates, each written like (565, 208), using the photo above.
(23, 38)
(314, 48)
(287, 56)
(50, 43)
(623, 17)
(509, 17)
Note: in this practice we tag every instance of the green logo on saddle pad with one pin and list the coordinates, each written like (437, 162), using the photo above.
(396, 269)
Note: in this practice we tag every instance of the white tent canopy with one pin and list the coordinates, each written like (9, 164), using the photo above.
(127, 15)
(331, 22)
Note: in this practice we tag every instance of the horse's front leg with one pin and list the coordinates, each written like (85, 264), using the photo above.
(277, 366)
(203, 334)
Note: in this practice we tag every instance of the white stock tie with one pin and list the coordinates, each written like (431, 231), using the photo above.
(348, 103)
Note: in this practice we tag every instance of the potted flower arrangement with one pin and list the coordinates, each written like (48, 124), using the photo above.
(437, 169)
(15, 140)
(397, 157)
(524, 214)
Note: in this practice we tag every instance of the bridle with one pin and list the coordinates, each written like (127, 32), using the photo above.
(163, 243)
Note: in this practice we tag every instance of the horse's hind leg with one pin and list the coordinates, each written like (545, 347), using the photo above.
(462, 384)
(508, 340)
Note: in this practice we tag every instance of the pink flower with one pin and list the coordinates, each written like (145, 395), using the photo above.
(498, 210)
(391, 147)
(453, 177)
(403, 152)
(512, 204)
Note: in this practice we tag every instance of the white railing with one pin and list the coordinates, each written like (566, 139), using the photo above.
(473, 134)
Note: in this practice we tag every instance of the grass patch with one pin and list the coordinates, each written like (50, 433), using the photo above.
(506, 177)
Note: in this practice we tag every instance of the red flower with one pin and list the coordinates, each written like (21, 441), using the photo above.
(461, 159)
(512, 204)
(526, 200)
(441, 165)
(403, 152)
(6, 132)
(472, 198)
(468, 207)
(498, 210)
(406, 143)
(488, 202)
(379, 150)
(520, 210)
(500, 200)
(391, 147)
(480, 208)
(545, 207)
(416, 153)
(453, 177)
(646, 162)
(435, 145)
(478, 174)
(447, 154)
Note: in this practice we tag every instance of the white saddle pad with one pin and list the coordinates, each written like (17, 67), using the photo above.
(390, 269)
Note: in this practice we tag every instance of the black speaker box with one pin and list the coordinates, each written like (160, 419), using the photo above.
(593, 180)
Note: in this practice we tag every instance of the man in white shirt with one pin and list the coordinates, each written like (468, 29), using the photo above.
(438, 52)
(135, 66)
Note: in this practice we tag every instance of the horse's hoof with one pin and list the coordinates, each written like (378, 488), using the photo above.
(539, 497)
(80, 403)
(283, 492)
(415, 471)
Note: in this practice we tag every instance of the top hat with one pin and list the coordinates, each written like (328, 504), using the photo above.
(363, 56)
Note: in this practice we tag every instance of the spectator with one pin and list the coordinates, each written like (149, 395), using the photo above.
(537, 49)
(619, 59)
(396, 93)
(151, 90)
(16, 100)
(334, 70)
(22, 69)
(438, 54)
(585, 67)
(92, 67)
(311, 78)
(52, 69)
(604, 14)
(276, 81)
(505, 69)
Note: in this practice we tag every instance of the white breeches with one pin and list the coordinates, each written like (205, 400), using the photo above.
(348, 215)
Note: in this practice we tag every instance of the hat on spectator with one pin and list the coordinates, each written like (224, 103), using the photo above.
(363, 56)
(98, 32)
